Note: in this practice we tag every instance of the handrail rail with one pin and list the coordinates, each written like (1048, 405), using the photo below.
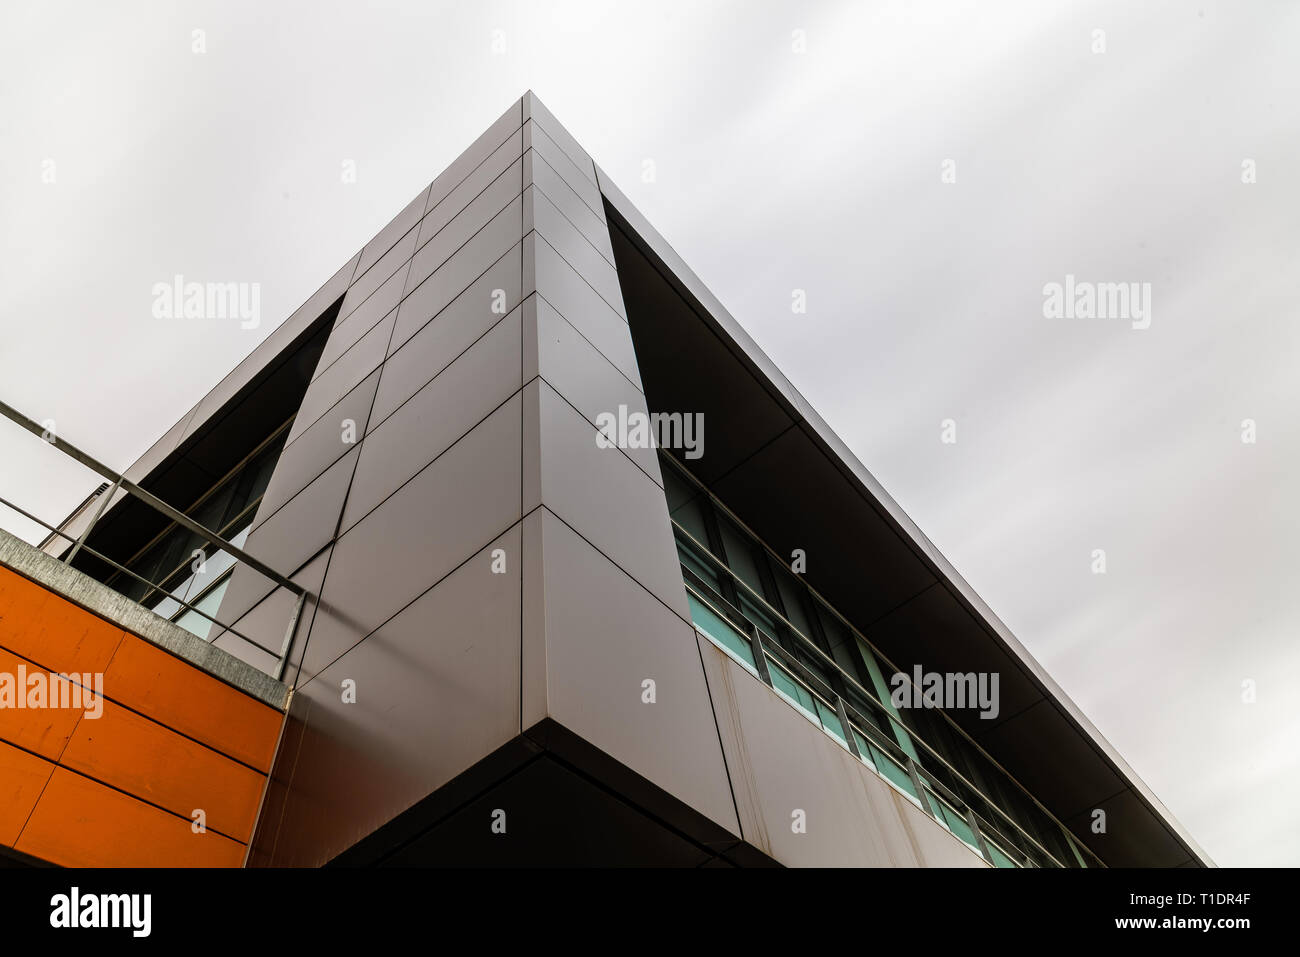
(808, 645)
(122, 568)
(212, 538)
(717, 503)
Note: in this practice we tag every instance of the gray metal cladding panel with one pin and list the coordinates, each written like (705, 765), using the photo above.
(467, 264)
(418, 355)
(565, 239)
(450, 610)
(247, 587)
(590, 382)
(471, 187)
(540, 142)
(258, 657)
(607, 499)
(319, 447)
(307, 523)
(544, 177)
(344, 375)
(437, 520)
(374, 277)
(387, 237)
(560, 285)
(436, 690)
(603, 636)
(265, 625)
(473, 157)
(535, 110)
(781, 764)
(458, 398)
(351, 326)
(467, 224)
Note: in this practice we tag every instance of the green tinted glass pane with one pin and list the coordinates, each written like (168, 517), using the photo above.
(198, 625)
(719, 630)
(740, 555)
(999, 858)
(794, 691)
(864, 748)
(755, 613)
(892, 770)
(955, 820)
(792, 594)
(831, 721)
(698, 565)
(684, 506)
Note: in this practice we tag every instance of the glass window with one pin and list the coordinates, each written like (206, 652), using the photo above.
(690, 556)
(864, 748)
(999, 856)
(740, 555)
(840, 642)
(831, 721)
(685, 505)
(952, 818)
(893, 771)
(198, 625)
(793, 691)
(720, 631)
(792, 601)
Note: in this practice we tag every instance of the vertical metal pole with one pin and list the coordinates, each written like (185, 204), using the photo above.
(760, 656)
(287, 645)
(974, 825)
(920, 789)
(99, 510)
(848, 729)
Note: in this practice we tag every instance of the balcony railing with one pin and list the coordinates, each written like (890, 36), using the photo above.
(201, 603)
(873, 731)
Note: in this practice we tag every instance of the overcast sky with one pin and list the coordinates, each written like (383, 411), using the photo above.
(127, 158)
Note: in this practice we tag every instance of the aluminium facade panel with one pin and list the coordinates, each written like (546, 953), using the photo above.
(490, 578)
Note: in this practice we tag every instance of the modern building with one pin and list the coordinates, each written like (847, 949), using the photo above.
(468, 615)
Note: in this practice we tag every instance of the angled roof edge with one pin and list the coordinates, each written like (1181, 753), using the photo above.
(732, 329)
(733, 332)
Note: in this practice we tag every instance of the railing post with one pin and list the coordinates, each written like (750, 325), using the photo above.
(287, 645)
(974, 825)
(920, 787)
(848, 728)
(99, 510)
(760, 656)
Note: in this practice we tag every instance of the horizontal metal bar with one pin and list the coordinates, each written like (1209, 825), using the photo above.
(104, 558)
(148, 498)
(717, 503)
(187, 562)
(698, 586)
(855, 684)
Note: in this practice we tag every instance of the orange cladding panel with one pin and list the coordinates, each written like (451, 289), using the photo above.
(42, 730)
(51, 631)
(143, 758)
(81, 823)
(182, 697)
(22, 776)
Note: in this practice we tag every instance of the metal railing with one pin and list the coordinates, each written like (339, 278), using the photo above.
(177, 518)
(976, 807)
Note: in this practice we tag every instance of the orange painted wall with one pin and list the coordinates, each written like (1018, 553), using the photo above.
(119, 790)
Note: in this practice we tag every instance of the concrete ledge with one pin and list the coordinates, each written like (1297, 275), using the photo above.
(83, 591)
